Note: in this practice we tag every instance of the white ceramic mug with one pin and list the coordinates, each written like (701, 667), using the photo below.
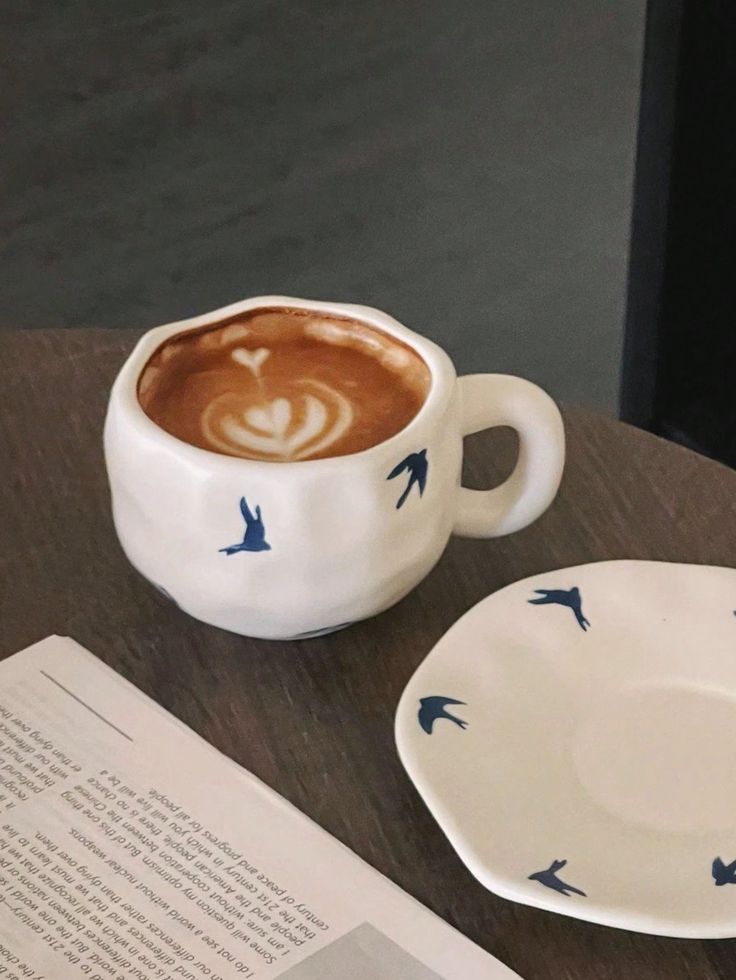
(285, 550)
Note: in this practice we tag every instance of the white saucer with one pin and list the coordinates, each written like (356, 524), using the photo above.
(598, 733)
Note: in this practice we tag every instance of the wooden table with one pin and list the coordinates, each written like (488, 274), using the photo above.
(314, 719)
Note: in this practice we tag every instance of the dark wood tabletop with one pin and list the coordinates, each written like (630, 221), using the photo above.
(314, 719)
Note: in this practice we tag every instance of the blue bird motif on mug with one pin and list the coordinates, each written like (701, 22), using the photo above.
(416, 466)
(254, 538)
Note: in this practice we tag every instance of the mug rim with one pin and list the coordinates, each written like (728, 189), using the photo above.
(125, 387)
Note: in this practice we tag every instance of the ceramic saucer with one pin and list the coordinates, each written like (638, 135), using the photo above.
(575, 737)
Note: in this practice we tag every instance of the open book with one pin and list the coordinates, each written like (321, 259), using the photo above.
(130, 849)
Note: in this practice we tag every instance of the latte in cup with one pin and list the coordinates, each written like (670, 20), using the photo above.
(284, 385)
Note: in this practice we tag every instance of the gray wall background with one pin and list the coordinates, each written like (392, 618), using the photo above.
(467, 167)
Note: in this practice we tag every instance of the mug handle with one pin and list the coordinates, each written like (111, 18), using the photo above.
(488, 400)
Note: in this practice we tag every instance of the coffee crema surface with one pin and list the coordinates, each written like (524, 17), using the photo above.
(284, 385)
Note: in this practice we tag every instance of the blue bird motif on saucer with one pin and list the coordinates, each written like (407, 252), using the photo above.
(563, 597)
(433, 708)
(549, 879)
(724, 874)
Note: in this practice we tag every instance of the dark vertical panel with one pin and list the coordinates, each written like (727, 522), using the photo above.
(680, 346)
(695, 399)
(650, 211)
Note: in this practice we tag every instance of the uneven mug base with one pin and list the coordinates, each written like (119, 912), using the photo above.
(325, 631)
(308, 635)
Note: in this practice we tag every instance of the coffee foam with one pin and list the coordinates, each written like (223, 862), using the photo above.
(284, 385)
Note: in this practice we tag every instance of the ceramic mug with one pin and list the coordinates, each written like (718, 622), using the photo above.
(288, 550)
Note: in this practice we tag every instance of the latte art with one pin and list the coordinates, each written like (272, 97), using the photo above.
(252, 359)
(284, 385)
(288, 428)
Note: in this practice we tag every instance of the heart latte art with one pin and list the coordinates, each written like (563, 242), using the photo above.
(284, 385)
(307, 421)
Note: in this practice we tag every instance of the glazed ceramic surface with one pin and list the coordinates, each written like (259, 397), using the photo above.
(292, 549)
(575, 737)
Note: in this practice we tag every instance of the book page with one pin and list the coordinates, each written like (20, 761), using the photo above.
(130, 849)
